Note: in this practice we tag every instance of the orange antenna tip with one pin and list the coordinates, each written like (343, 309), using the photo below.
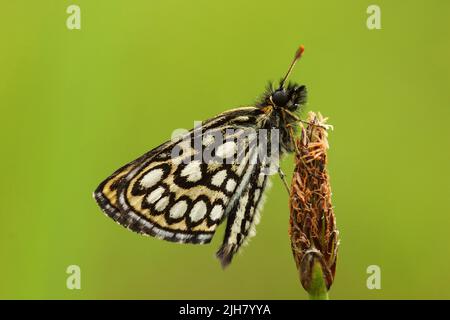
(299, 52)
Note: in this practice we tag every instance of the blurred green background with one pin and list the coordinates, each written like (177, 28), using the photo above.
(77, 104)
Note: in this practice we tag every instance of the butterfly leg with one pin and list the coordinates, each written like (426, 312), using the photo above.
(283, 178)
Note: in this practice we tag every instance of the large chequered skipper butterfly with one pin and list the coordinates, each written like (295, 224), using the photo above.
(173, 193)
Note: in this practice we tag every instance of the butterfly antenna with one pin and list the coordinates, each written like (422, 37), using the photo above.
(297, 56)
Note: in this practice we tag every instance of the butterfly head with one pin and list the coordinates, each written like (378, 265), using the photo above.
(291, 97)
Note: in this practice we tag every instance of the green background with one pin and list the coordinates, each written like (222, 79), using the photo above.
(77, 104)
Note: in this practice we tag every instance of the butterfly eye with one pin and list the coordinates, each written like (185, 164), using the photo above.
(280, 98)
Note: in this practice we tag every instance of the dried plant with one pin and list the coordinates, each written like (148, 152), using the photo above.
(313, 233)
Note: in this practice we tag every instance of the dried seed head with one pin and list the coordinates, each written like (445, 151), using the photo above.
(314, 237)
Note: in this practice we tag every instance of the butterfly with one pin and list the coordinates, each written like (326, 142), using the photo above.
(173, 193)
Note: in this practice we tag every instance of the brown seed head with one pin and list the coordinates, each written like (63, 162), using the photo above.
(314, 237)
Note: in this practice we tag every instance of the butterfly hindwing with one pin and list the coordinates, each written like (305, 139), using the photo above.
(106, 192)
(163, 195)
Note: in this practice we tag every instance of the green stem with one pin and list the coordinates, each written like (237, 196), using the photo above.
(318, 290)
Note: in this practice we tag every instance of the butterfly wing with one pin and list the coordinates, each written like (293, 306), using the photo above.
(163, 195)
(244, 214)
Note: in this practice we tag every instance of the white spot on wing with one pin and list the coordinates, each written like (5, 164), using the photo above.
(236, 228)
(192, 171)
(231, 184)
(256, 195)
(198, 211)
(151, 178)
(216, 212)
(155, 195)
(204, 237)
(218, 178)
(178, 209)
(226, 150)
(162, 204)
(242, 118)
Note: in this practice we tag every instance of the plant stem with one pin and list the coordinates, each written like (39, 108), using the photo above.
(318, 289)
